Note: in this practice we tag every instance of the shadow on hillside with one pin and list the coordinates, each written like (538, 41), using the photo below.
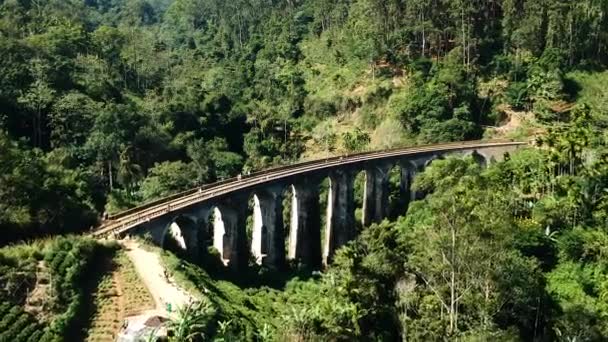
(255, 276)
(102, 265)
(572, 88)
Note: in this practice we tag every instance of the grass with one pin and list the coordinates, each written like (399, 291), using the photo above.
(590, 87)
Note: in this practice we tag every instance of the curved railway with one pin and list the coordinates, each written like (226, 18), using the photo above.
(128, 219)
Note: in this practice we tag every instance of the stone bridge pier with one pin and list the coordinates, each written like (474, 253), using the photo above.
(268, 237)
(375, 196)
(305, 234)
(267, 241)
(340, 218)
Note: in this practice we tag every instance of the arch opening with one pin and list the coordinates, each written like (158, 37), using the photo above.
(290, 219)
(419, 195)
(376, 193)
(359, 189)
(479, 158)
(219, 237)
(230, 235)
(181, 236)
(257, 229)
(267, 227)
(325, 234)
(398, 198)
(433, 158)
(408, 171)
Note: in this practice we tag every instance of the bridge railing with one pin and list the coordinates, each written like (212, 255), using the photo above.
(278, 168)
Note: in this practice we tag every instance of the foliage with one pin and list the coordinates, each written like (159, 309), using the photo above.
(192, 322)
(67, 261)
(109, 103)
(355, 141)
(30, 184)
(168, 177)
(121, 92)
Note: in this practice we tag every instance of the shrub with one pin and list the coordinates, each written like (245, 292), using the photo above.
(4, 308)
(36, 336)
(26, 333)
(8, 320)
(15, 328)
(517, 95)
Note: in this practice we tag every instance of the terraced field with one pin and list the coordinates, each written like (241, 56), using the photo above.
(17, 325)
(120, 294)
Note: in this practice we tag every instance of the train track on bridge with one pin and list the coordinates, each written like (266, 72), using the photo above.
(126, 220)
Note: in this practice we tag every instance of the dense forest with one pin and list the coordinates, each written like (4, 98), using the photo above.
(106, 104)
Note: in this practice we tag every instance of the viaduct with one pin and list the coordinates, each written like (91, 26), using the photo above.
(224, 206)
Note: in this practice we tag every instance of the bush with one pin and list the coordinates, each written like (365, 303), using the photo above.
(36, 336)
(4, 308)
(16, 327)
(68, 260)
(26, 333)
(517, 95)
(8, 320)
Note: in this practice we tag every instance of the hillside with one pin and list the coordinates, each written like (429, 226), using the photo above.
(106, 104)
(119, 102)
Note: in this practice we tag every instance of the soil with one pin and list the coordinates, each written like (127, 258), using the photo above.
(36, 299)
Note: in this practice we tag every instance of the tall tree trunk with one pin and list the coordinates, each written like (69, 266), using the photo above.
(423, 36)
(110, 175)
(453, 283)
(464, 41)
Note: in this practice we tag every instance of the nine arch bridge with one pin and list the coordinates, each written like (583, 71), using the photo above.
(224, 206)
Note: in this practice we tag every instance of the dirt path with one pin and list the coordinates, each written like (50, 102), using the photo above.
(151, 272)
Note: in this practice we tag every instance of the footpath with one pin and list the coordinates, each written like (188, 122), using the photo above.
(164, 291)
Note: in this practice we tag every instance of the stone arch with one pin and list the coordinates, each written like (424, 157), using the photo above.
(181, 235)
(434, 157)
(230, 231)
(479, 157)
(359, 188)
(408, 172)
(340, 217)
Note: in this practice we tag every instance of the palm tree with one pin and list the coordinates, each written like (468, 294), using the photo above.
(128, 171)
(191, 322)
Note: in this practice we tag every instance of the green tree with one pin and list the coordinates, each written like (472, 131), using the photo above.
(355, 141)
(37, 99)
(462, 254)
(167, 178)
